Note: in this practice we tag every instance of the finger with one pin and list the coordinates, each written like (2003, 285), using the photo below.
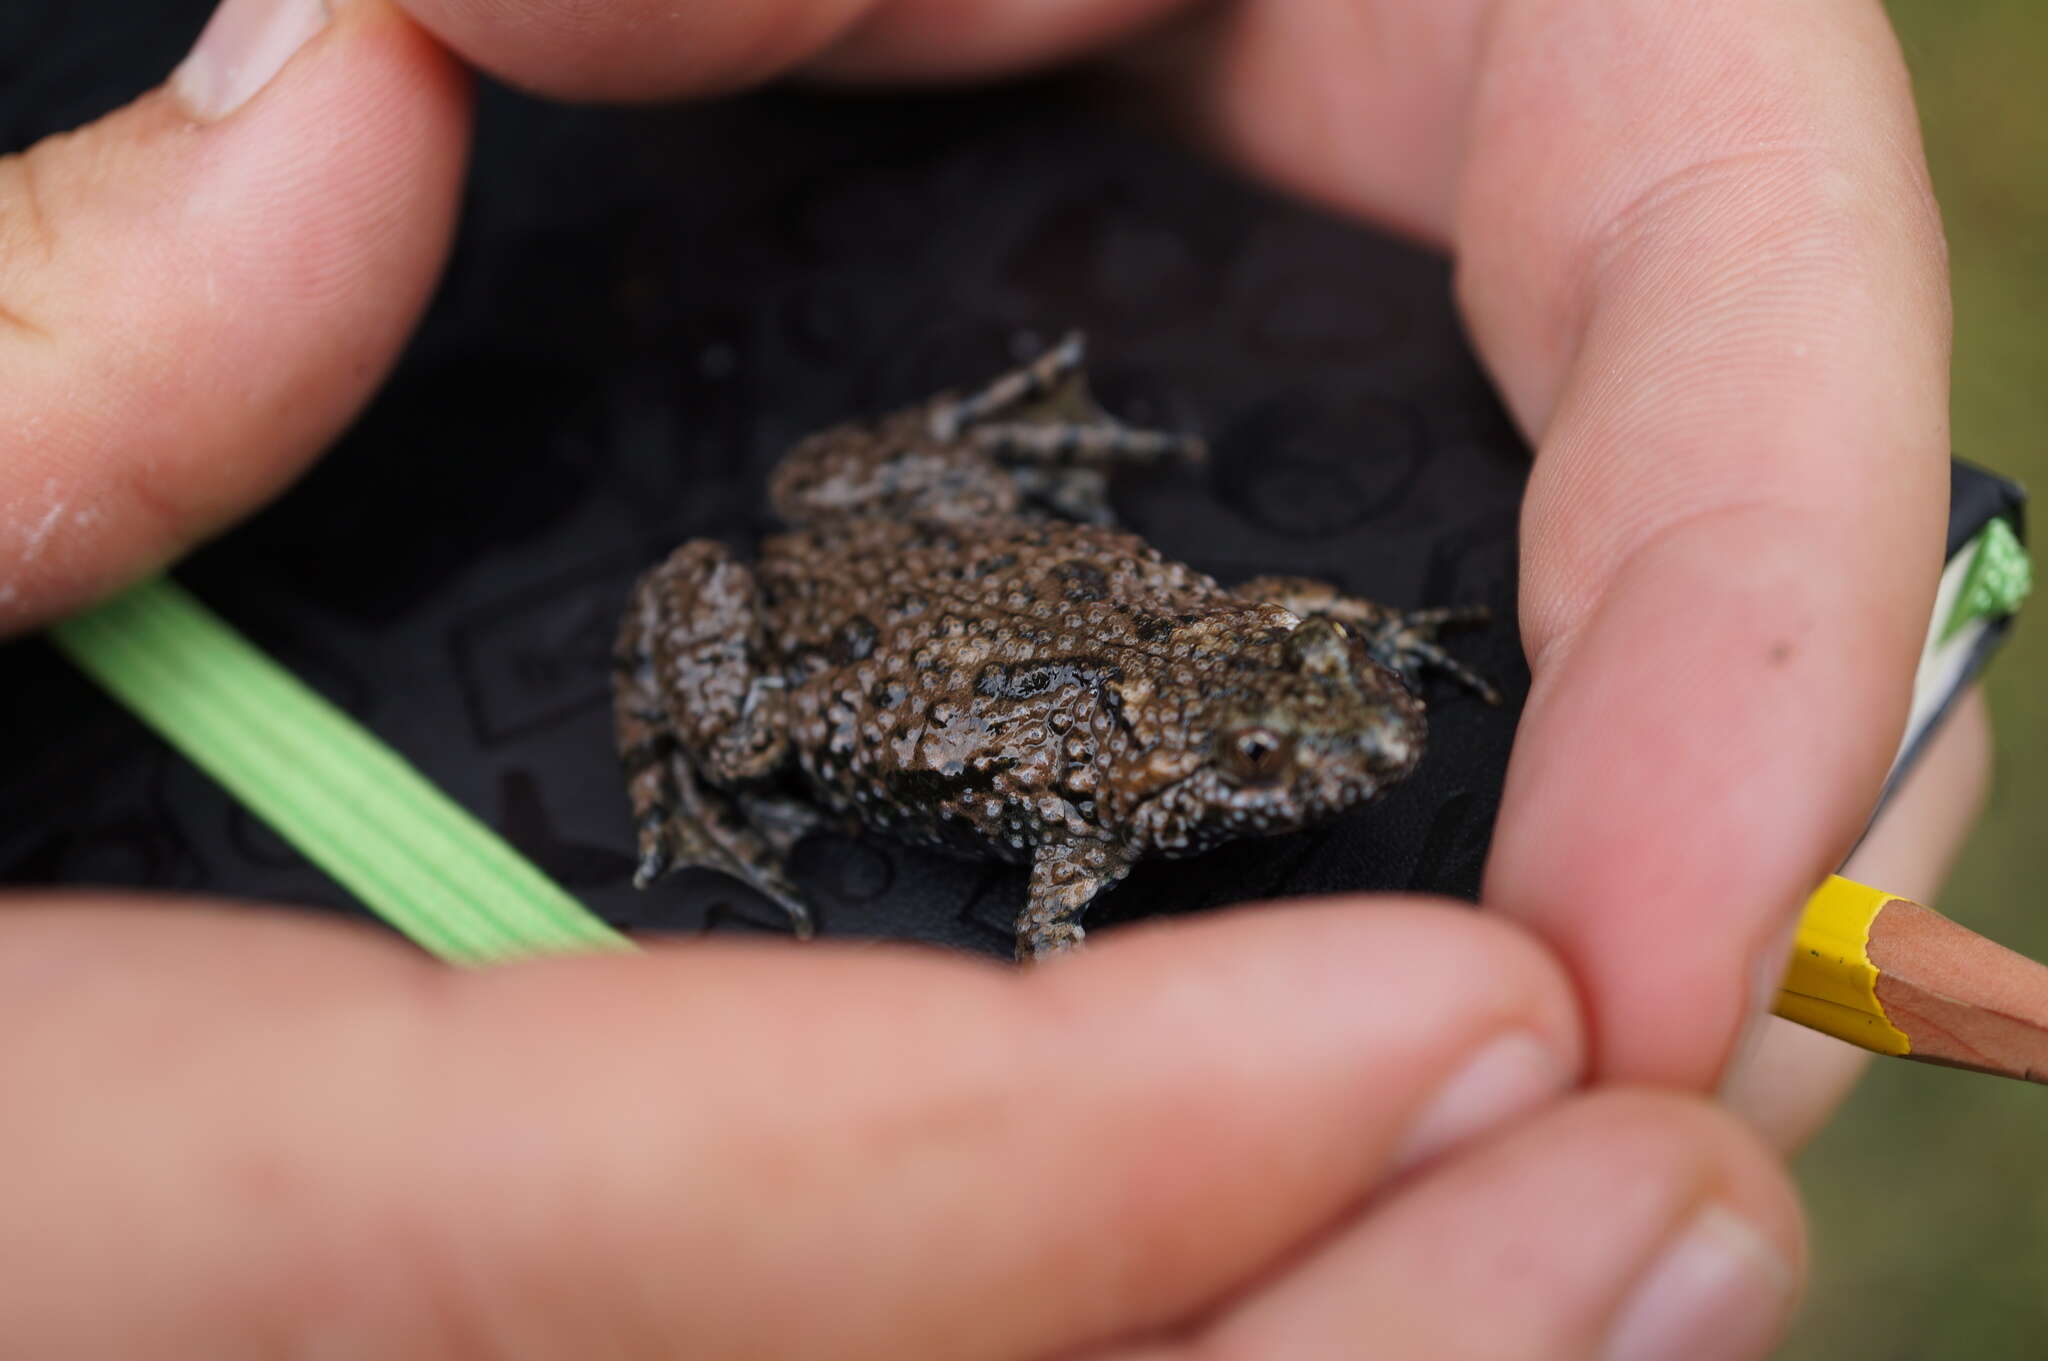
(197, 291)
(1736, 521)
(721, 1150)
(958, 39)
(1914, 843)
(1696, 247)
(1788, 1080)
(1619, 1225)
(647, 49)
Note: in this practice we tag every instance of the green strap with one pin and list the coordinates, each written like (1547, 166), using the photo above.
(351, 804)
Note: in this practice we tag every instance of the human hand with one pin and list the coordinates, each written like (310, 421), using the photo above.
(1310, 1130)
(232, 1133)
(1695, 246)
(1702, 237)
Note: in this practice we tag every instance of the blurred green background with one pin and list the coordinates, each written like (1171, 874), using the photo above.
(1930, 1192)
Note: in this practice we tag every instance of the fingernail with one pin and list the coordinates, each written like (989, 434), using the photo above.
(1513, 1073)
(1720, 1292)
(1766, 976)
(244, 44)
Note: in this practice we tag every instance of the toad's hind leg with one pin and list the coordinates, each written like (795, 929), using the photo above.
(1032, 441)
(694, 709)
(1043, 414)
(1028, 385)
(1043, 428)
(684, 822)
(1094, 443)
(1405, 643)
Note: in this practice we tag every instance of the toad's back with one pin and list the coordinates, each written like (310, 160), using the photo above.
(979, 681)
(845, 590)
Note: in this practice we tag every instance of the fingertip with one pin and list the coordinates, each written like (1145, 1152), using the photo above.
(637, 49)
(949, 40)
(1790, 1079)
(204, 304)
(1345, 966)
(1724, 1275)
(1692, 743)
(645, 49)
(1716, 1156)
(1704, 1155)
(1630, 1225)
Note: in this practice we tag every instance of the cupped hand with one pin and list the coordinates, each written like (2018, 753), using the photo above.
(1332, 1129)
(1694, 243)
(1696, 248)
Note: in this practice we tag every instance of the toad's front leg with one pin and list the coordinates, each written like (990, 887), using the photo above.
(1404, 643)
(1065, 878)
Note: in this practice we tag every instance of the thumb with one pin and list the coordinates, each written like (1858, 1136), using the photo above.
(199, 290)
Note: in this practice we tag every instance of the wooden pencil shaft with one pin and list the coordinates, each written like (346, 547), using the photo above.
(1961, 1000)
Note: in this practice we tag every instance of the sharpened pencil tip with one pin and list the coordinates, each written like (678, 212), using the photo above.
(1960, 999)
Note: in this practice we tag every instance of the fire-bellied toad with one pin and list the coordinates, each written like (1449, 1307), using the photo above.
(954, 646)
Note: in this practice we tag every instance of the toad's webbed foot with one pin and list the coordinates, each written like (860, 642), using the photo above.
(684, 822)
(1407, 644)
(1064, 880)
(1404, 643)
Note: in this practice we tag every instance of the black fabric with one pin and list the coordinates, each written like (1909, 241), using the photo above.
(643, 310)
(1976, 498)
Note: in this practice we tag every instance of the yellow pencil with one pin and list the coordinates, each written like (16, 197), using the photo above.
(1891, 976)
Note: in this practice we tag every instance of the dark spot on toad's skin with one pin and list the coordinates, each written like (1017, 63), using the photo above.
(926, 652)
(988, 567)
(1031, 679)
(1086, 583)
(1781, 652)
(1150, 628)
(936, 539)
(855, 641)
(912, 786)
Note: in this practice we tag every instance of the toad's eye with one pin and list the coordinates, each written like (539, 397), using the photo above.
(1256, 755)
